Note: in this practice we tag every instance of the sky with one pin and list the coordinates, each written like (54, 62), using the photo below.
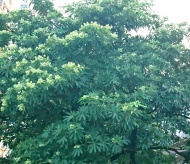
(176, 10)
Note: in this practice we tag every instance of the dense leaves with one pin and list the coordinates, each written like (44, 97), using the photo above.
(81, 88)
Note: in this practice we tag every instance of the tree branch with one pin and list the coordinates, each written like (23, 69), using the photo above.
(176, 150)
(116, 156)
(181, 115)
(125, 151)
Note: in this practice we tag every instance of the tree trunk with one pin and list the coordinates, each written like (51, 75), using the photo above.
(133, 146)
(132, 157)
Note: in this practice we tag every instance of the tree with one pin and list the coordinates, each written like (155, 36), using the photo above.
(80, 88)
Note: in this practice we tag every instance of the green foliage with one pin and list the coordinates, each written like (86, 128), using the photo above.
(3, 21)
(4, 38)
(80, 88)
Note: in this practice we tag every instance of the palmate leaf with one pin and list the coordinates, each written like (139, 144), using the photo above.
(94, 147)
(48, 131)
(70, 116)
(118, 143)
(75, 132)
(63, 140)
(105, 144)
(115, 115)
(77, 151)
(57, 131)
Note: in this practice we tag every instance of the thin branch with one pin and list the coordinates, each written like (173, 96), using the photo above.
(181, 115)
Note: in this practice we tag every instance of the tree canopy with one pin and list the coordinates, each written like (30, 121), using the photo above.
(81, 88)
